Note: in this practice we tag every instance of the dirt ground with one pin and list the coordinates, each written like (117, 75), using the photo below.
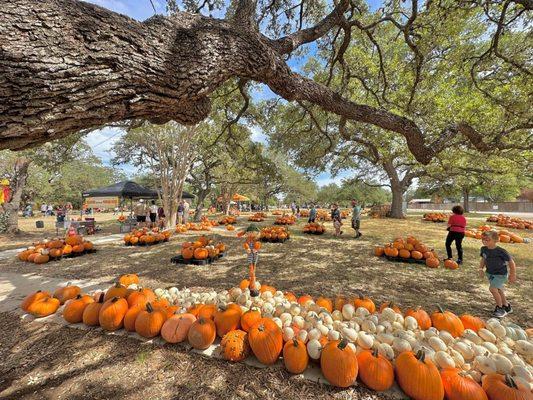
(45, 361)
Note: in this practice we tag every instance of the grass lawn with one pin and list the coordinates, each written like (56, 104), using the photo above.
(83, 364)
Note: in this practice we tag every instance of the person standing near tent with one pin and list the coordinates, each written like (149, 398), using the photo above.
(186, 207)
(356, 218)
(140, 212)
(153, 214)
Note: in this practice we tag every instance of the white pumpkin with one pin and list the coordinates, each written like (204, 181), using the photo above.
(444, 360)
(374, 318)
(352, 346)
(368, 326)
(278, 322)
(397, 326)
(380, 329)
(314, 349)
(286, 317)
(387, 325)
(491, 347)
(337, 315)
(324, 330)
(515, 360)
(475, 375)
(288, 333)
(385, 338)
(361, 312)
(365, 340)
(386, 351)
(446, 337)
(267, 310)
(437, 344)
(522, 384)
(388, 314)
(487, 335)
(466, 351)
(515, 332)
(350, 334)
(400, 319)
(298, 321)
(328, 320)
(302, 335)
(266, 295)
(333, 335)
(485, 365)
(457, 357)
(523, 372)
(472, 336)
(410, 323)
(348, 311)
(313, 334)
(498, 330)
(503, 364)
(524, 348)
(430, 332)
(479, 350)
(295, 309)
(400, 345)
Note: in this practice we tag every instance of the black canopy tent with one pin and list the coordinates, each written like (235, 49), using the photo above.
(127, 190)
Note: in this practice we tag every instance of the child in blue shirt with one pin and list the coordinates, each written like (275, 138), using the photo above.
(499, 268)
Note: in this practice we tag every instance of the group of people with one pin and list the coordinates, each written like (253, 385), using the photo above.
(153, 215)
(496, 264)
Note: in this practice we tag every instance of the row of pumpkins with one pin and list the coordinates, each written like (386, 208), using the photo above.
(434, 217)
(257, 217)
(315, 228)
(146, 236)
(42, 252)
(504, 236)
(510, 222)
(412, 248)
(201, 249)
(429, 356)
(274, 233)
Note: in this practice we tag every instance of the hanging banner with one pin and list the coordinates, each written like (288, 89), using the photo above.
(5, 191)
(102, 202)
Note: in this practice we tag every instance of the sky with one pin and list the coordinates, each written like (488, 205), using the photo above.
(102, 140)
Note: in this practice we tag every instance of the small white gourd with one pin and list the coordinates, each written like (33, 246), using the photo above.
(278, 322)
(431, 332)
(498, 330)
(295, 309)
(446, 337)
(388, 314)
(437, 344)
(471, 335)
(302, 335)
(466, 351)
(523, 372)
(515, 360)
(298, 321)
(487, 335)
(324, 330)
(313, 334)
(400, 345)
(365, 340)
(457, 357)
(443, 360)
(410, 323)
(314, 349)
(491, 347)
(485, 365)
(368, 326)
(288, 333)
(524, 348)
(348, 311)
(350, 334)
(336, 315)
(361, 312)
(385, 338)
(333, 335)
(386, 351)
(503, 364)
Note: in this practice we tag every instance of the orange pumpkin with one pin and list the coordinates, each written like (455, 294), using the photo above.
(266, 341)
(33, 297)
(116, 291)
(201, 253)
(375, 371)
(149, 322)
(228, 319)
(176, 328)
(503, 387)
(128, 279)
(295, 356)
(362, 301)
(91, 312)
(44, 307)
(112, 313)
(235, 346)
(421, 316)
(379, 251)
(73, 312)
(202, 334)
(67, 292)
(432, 262)
(459, 386)
(418, 377)
(338, 363)
(131, 316)
(471, 322)
(447, 321)
(249, 318)
(450, 264)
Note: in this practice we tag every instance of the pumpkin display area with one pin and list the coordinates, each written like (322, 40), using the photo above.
(55, 249)
(314, 228)
(426, 353)
(434, 217)
(285, 220)
(201, 251)
(274, 234)
(257, 217)
(510, 222)
(146, 237)
(411, 250)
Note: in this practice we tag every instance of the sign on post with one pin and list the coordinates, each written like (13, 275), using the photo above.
(102, 202)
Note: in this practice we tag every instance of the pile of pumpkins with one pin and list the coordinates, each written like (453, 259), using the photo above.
(181, 228)
(228, 219)
(257, 217)
(412, 248)
(274, 234)
(201, 249)
(42, 252)
(510, 222)
(277, 212)
(314, 228)
(429, 355)
(145, 236)
(323, 215)
(285, 220)
(435, 217)
(504, 236)
(199, 226)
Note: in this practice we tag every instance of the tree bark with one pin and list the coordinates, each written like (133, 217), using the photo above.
(398, 192)
(67, 65)
(466, 200)
(18, 183)
(202, 195)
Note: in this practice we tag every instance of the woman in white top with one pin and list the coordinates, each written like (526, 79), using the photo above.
(153, 213)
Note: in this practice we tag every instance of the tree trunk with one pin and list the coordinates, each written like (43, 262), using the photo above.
(113, 68)
(18, 183)
(397, 200)
(466, 200)
(199, 206)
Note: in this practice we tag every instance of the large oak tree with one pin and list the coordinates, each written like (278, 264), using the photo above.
(67, 65)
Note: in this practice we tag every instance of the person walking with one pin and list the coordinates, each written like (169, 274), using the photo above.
(293, 208)
(43, 209)
(186, 207)
(140, 212)
(312, 214)
(337, 219)
(456, 233)
(356, 218)
(180, 212)
(153, 214)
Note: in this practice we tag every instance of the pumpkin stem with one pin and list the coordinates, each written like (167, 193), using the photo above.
(295, 342)
(101, 299)
(441, 310)
(360, 295)
(421, 355)
(149, 307)
(509, 381)
(78, 296)
(375, 352)
(114, 299)
(342, 344)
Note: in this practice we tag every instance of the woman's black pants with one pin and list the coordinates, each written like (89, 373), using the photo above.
(458, 238)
